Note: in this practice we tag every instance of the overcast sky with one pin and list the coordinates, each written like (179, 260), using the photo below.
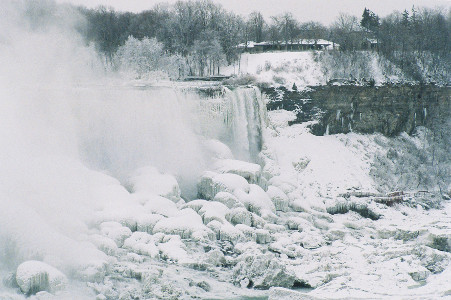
(323, 11)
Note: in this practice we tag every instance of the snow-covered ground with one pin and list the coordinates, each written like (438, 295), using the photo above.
(310, 68)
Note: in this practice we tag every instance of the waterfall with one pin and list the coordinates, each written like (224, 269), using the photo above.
(237, 118)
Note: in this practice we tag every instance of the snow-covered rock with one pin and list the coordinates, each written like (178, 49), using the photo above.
(34, 276)
(186, 223)
(248, 232)
(228, 200)
(262, 271)
(230, 233)
(251, 172)
(239, 215)
(279, 198)
(103, 243)
(146, 222)
(257, 201)
(214, 257)
(174, 249)
(160, 205)
(142, 243)
(116, 232)
(212, 183)
(213, 211)
(263, 236)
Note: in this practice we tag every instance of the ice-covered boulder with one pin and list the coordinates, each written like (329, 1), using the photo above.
(239, 215)
(34, 276)
(142, 243)
(262, 271)
(186, 223)
(213, 211)
(228, 200)
(146, 222)
(116, 232)
(230, 233)
(278, 197)
(257, 201)
(251, 172)
(150, 180)
(212, 183)
(174, 249)
(104, 244)
(195, 205)
(263, 236)
(160, 205)
(274, 228)
(248, 232)
(214, 257)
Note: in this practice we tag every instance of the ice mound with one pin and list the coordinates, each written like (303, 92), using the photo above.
(186, 223)
(251, 172)
(219, 150)
(279, 198)
(150, 180)
(116, 232)
(212, 183)
(257, 201)
(228, 200)
(262, 271)
(142, 243)
(35, 276)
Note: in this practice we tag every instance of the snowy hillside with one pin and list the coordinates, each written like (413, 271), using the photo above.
(314, 67)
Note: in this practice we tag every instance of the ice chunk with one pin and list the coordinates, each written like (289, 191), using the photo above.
(150, 180)
(230, 233)
(195, 205)
(185, 224)
(142, 243)
(263, 236)
(263, 271)
(116, 232)
(161, 206)
(173, 249)
(228, 200)
(212, 183)
(103, 243)
(251, 172)
(239, 215)
(214, 257)
(34, 276)
(213, 211)
(278, 197)
(257, 201)
(146, 222)
(248, 232)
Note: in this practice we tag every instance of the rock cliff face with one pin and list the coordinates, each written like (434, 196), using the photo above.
(389, 110)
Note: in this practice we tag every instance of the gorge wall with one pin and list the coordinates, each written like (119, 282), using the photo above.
(389, 110)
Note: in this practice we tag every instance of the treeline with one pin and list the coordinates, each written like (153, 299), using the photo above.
(201, 36)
